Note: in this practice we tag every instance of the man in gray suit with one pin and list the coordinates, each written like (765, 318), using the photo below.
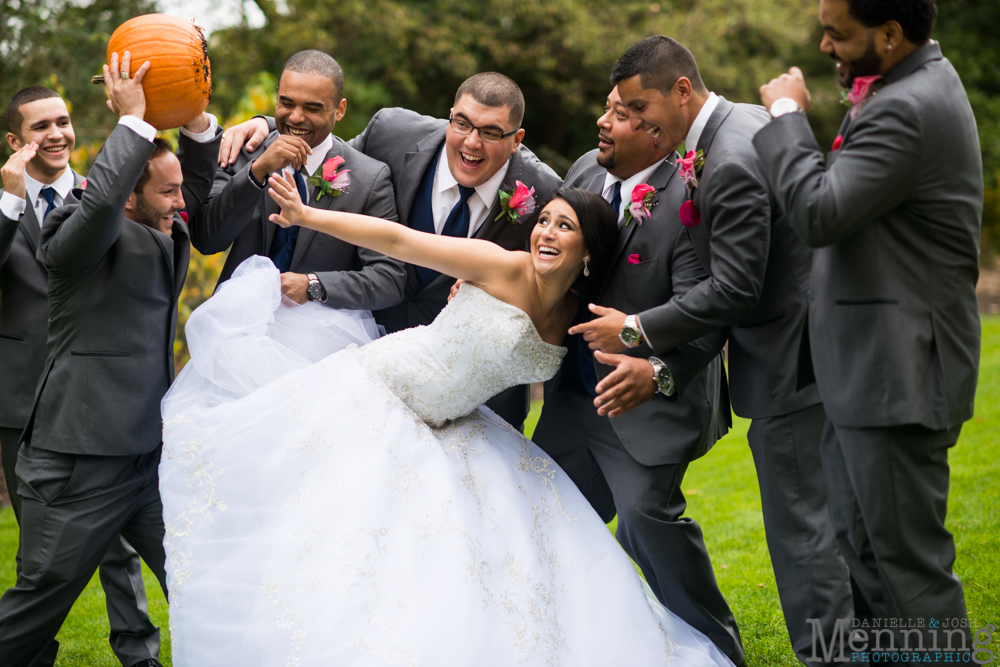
(37, 179)
(757, 289)
(448, 176)
(634, 465)
(894, 213)
(314, 266)
(116, 255)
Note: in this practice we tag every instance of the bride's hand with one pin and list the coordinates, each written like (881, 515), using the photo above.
(286, 195)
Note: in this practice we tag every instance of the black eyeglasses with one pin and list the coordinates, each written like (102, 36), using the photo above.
(489, 134)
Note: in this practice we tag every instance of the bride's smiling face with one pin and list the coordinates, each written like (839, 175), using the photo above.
(557, 243)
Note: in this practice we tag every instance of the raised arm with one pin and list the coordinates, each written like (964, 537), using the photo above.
(474, 260)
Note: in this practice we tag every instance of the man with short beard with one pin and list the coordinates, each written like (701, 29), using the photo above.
(116, 254)
(37, 179)
(894, 213)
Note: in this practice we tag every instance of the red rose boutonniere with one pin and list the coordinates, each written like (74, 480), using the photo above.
(689, 214)
(643, 199)
(329, 181)
(517, 204)
(690, 166)
(838, 142)
(861, 90)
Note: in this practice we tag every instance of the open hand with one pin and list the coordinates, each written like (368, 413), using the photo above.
(627, 387)
(126, 95)
(13, 171)
(602, 333)
(283, 152)
(251, 132)
(286, 195)
(792, 84)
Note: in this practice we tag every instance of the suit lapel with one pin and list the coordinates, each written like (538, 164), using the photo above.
(722, 111)
(490, 229)
(29, 227)
(700, 235)
(325, 203)
(414, 166)
(181, 256)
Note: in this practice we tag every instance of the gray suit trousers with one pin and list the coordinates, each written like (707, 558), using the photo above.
(812, 577)
(888, 493)
(668, 548)
(73, 508)
(133, 638)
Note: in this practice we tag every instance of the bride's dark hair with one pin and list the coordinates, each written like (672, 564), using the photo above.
(600, 234)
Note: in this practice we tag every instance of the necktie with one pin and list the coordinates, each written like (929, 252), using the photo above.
(49, 195)
(283, 245)
(456, 225)
(300, 183)
(616, 199)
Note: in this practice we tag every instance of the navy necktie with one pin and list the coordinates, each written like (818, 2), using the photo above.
(283, 245)
(616, 199)
(49, 195)
(456, 225)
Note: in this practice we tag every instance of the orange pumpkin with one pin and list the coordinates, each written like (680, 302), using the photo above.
(179, 83)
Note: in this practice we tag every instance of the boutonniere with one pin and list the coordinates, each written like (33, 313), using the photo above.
(329, 181)
(517, 204)
(643, 199)
(690, 166)
(83, 185)
(689, 214)
(838, 142)
(861, 89)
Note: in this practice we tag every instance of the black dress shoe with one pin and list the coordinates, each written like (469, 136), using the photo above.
(148, 662)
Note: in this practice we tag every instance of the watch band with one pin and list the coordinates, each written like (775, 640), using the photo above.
(663, 377)
(315, 291)
(784, 105)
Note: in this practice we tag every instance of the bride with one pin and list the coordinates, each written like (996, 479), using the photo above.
(332, 499)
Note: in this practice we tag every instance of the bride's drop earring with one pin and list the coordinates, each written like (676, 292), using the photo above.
(586, 269)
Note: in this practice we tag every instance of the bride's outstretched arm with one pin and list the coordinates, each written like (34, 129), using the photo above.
(473, 260)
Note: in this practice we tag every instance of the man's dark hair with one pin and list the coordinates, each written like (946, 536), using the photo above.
(160, 146)
(659, 61)
(915, 16)
(493, 89)
(30, 94)
(320, 64)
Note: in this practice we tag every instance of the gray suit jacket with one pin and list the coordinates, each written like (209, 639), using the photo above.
(24, 314)
(407, 142)
(684, 427)
(759, 284)
(895, 214)
(113, 290)
(237, 214)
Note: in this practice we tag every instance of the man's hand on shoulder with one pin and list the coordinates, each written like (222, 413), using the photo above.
(13, 171)
(632, 383)
(294, 286)
(126, 95)
(284, 151)
(250, 133)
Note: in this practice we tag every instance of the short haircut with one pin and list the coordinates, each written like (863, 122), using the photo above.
(160, 146)
(320, 64)
(493, 89)
(915, 16)
(659, 61)
(30, 94)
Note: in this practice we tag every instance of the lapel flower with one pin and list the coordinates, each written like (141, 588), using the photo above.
(689, 214)
(184, 217)
(517, 204)
(838, 142)
(328, 180)
(643, 199)
(861, 89)
(83, 184)
(690, 166)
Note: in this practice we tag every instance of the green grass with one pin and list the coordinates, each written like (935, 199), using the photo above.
(723, 496)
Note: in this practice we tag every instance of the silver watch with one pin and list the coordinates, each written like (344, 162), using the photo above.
(315, 291)
(784, 105)
(631, 334)
(663, 377)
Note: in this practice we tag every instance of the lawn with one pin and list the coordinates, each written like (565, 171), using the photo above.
(723, 496)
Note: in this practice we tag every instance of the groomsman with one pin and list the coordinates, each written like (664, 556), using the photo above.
(757, 289)
(116, 255)
(313, 266)
(894, 214)
(37, 179)
(634, 464)
(448, 176)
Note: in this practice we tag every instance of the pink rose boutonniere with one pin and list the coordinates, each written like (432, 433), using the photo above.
(689, 214)
(690, 166)
(861, 90)
(643, 199)
(517, 204)
(328, 180)
(838, 142)
(83, 184)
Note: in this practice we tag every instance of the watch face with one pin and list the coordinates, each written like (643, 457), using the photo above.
(315, 291)
(629, 335)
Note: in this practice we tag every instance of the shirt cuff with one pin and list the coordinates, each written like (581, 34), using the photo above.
(645, 338)
(12, 206)
(139, 126)
(207, 135)
(250, 177)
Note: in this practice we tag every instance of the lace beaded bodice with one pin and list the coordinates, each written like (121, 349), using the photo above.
(475, 348)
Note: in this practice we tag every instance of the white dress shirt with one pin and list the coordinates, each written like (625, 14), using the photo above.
(628, 185)
(700, 121)
(445, 195)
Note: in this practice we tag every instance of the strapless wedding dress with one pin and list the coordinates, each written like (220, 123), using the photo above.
(335, 498)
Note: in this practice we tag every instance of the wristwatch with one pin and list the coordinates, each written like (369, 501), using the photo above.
(631, 334)
(784, 105)
(662, 376)
(315, 291)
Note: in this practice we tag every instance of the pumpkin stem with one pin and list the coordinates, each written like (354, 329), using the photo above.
(97, 79)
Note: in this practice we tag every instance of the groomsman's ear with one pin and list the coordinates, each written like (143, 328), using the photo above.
(341, 110)
(518, 136)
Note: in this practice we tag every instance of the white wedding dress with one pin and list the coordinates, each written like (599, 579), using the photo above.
(334, 501)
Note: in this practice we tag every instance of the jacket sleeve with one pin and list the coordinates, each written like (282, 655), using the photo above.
(199, 162)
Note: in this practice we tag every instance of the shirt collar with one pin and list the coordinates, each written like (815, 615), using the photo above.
(318, 156)
(698, 126)
(62, 186)
(487, 191)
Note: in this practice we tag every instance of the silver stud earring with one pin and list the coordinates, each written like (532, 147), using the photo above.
(586, 269)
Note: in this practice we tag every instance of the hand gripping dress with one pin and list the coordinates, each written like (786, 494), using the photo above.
(332, 498)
